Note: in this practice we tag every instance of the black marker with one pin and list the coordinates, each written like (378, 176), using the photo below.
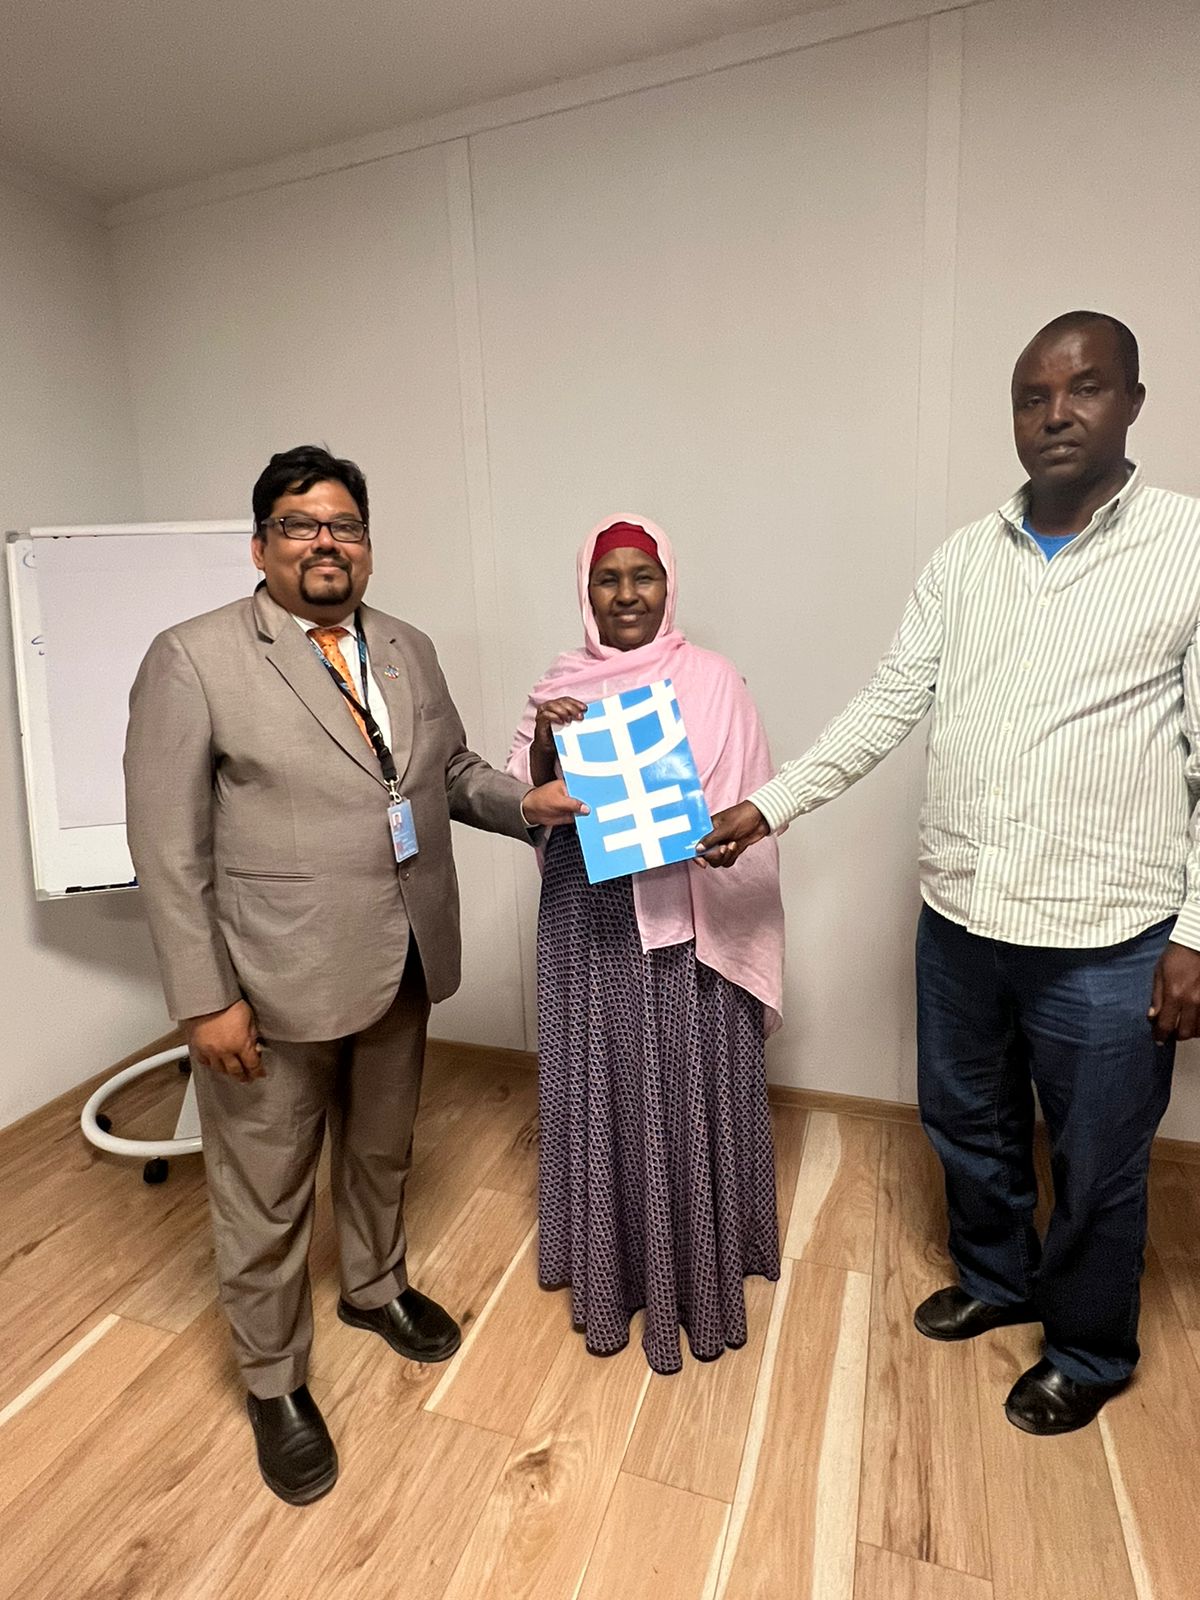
(92, 888)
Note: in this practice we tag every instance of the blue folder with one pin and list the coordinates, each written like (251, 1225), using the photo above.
(630, 762)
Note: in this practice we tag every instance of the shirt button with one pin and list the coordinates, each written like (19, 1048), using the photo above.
(1043, 602)
(1006, 727)
(1025, 666)
(996, 789)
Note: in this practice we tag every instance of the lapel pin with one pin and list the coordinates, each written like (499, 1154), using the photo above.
(391, 671)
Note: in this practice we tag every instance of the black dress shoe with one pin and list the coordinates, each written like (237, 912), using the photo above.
(1045, 1401)
(295, 1453)
(953, 1314)
(415, 1326)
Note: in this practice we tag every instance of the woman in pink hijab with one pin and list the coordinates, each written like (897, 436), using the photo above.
(655, 995)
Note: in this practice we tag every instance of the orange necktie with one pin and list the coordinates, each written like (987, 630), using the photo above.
(327, 641)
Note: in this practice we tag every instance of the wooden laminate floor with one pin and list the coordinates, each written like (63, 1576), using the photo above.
(838, 1456)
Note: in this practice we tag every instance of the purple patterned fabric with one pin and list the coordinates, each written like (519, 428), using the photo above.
(657, 1173)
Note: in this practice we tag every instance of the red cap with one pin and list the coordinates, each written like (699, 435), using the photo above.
(624, 536)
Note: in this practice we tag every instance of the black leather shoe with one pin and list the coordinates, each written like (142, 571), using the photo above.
(415, 1326)
(952, 1314)
(1045, 1401)
(295, 1453)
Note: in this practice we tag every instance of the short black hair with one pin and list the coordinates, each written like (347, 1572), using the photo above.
(1127, 345)
(295, 471)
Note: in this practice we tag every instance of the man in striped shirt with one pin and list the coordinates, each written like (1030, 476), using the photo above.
(1059, 944)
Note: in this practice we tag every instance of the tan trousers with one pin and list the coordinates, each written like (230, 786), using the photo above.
(262, 1142)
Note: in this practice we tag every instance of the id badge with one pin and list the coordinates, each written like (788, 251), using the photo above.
(404, 829)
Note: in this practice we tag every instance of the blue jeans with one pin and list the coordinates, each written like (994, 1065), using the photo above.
(993, 1020)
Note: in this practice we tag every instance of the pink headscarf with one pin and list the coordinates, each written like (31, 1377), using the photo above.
(734, 914)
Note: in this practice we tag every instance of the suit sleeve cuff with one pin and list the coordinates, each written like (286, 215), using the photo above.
(183, 1004)
(536, 834)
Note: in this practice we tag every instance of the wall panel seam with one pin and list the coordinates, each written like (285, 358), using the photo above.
(494, 701)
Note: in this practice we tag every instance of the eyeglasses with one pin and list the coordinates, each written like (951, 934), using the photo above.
(346, 530)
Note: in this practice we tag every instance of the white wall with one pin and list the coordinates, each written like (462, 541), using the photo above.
(79, 985)
(774, 306)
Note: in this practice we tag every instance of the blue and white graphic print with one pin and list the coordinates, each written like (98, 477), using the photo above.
(629, 760)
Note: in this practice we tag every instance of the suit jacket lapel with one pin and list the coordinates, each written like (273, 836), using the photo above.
(385, 652)
(296, 662)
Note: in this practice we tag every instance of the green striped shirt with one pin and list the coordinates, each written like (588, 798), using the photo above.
(1063, 748)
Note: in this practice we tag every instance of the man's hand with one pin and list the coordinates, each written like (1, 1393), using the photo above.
(1175, 1000)
(226, 1041)
(733, 831)
(549, 804)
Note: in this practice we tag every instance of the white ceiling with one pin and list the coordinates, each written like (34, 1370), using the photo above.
(117, 98)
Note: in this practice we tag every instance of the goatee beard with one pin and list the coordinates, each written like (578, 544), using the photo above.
(325, 597)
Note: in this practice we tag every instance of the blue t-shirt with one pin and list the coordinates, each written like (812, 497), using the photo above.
(1049, 543)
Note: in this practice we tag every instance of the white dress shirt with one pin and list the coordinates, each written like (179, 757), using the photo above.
(348, 646)
(1064, 750)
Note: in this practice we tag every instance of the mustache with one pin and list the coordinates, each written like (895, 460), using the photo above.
(324, 561)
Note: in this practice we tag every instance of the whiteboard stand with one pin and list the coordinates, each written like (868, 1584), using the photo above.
(97, 1128)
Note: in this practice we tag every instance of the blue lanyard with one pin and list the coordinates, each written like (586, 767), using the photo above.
(362, 658)
(384, 756)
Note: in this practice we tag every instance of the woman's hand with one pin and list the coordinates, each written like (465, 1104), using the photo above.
(553, 714)
(543, 753)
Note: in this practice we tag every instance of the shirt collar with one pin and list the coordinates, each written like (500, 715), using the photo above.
(306, 626)
(1015, 510)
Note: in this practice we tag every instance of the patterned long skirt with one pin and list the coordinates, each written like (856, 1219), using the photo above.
(657, 1172)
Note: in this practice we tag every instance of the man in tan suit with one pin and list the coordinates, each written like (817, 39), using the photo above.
(273, 784)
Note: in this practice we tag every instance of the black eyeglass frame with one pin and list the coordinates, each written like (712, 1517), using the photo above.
(317, 524)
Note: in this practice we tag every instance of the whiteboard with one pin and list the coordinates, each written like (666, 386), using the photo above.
(86, 603)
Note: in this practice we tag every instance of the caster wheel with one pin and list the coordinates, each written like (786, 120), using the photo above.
(185, 1067)
(104, 1123)
(155, 1171)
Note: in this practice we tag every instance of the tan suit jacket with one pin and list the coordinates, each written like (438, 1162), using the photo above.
(257, 821)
